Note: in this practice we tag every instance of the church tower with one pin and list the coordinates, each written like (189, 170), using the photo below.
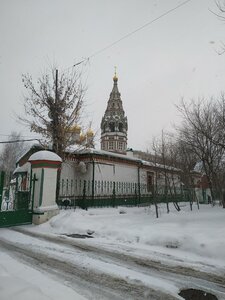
(114, 123)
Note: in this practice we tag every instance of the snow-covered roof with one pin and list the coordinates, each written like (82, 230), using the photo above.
(27, 150)
(152, 164)
(23, 169)
(74, 148)
(45, 155)
(107, 153)
(199, 167)
(122, 156)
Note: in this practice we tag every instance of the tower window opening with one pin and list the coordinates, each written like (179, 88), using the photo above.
(120, 127)
(112, 127)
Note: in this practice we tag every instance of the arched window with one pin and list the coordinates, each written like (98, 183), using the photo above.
(120, 127)
(112, 126)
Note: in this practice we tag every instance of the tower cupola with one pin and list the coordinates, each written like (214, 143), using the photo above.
(114, 123)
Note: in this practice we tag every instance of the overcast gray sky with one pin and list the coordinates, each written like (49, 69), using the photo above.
(172, 58)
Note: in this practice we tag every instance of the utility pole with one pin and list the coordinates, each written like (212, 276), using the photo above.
(56, 85)
(55, 116)
(56, 133)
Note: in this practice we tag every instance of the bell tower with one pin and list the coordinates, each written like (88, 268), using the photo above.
(114, 123)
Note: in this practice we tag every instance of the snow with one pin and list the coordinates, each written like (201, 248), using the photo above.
(23, 169)
(82, 260)
(106, 153)
(79, 150)
(21, 282)
(195, 237)
(41, 209)
(187, 238)
(45, 155)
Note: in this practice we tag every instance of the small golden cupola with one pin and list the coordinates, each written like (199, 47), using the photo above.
(115, 78)
(75, 129)
(74, 133)
(90, 133)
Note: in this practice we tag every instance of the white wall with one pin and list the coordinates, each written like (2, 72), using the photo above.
(125, 177)
(49, 187)
(107, 175)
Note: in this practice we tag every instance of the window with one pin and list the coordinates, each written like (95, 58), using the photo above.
(120, 127)
(110, 145)
(150, 183)
(120, 145)
(112, 126)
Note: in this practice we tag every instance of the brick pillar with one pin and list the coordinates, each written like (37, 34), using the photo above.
(44, 167)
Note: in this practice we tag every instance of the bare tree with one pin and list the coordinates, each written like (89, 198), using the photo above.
(10, 153)
(166, 154)
(199, 134)
(53, 105)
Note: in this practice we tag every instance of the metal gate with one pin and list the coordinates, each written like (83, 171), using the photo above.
(15, 201)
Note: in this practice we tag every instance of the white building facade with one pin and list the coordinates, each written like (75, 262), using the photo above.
(97, 174)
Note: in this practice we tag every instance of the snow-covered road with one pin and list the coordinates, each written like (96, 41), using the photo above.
(98, 273)
(133, 255)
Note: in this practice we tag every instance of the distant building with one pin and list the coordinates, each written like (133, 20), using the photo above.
(201, 187)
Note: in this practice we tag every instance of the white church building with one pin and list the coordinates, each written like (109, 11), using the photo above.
(113, 172)
(112, 175)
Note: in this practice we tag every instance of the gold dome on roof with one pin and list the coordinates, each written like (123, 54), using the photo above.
(76, 128)
(115, 78)
(90, 132)
(82, 137)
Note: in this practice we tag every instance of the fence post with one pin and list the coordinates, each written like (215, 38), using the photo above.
(33, 180)
(154, 194)
(135, 195)
(2, 177)
(84, 196)
(139, 187)
(156, 208)
(114, 194)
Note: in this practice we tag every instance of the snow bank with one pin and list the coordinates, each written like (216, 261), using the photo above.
(194, 236)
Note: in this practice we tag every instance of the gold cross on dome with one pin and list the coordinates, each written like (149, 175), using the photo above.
(115, 70)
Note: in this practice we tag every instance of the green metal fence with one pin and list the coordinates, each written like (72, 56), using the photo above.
(113, 200)
(2, 177)
(14, 205)
(84, 194)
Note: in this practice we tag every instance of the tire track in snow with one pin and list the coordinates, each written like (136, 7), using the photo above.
(180, 275)
(101, 285)
(124, 257)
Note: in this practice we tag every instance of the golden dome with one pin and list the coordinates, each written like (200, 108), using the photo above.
(82, 137)
(90, 132)
(75, 129)
(115, 78)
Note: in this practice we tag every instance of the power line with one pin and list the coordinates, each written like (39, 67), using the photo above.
(19, 141)
(23, 136)
(132, 32)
